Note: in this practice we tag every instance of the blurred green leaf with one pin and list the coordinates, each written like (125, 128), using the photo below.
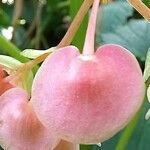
(11, 49)
(128, 132)
(112, 16)
(114, 27)
(86, 147)
(134, 36)
(146, 2)
(139, 139)
(4, 19)
(80, 36)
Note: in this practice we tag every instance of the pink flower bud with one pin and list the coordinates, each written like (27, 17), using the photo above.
(19, 127)
(88, 97)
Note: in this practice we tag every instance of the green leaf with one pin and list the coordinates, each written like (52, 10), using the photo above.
(112, 16)
(146, 2)
(115, 27)
(80, 36)
(127, 134)
(86, 147)
(139, 139)
(11, 49)
(4, 19)
(134, 36)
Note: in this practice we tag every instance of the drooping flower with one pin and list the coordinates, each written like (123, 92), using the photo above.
(19, 125)
(88, 97)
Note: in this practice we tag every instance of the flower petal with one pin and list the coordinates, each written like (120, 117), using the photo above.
(19, 127)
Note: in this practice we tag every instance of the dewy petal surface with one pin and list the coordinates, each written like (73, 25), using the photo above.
(88, 98)
(19, 127)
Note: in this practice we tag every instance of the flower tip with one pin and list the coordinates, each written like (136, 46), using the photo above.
(147, 116)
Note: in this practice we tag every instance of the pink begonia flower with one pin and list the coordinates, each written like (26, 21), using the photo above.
(20, 129)
(88, 97)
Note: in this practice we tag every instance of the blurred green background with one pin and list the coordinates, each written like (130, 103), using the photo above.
(41, 24)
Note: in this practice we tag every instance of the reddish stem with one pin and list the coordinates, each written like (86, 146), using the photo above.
(90, 36)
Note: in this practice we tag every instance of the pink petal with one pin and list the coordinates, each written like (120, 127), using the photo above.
(19, 127)
(88, 99)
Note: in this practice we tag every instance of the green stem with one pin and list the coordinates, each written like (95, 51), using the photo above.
(80, 36)
(86, 147)
(125, 137)
(11, 49)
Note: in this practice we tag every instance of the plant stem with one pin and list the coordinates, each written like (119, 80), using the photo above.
(90, 35)
(80, 35)
(73, 27)
(11, 49)
(40, 6)
(75, 23)
(18, 9)
(29, 65)
(141, 8)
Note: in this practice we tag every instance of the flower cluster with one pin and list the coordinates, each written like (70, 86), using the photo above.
(77, 97)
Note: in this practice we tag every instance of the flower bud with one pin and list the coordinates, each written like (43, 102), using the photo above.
(19, 127)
